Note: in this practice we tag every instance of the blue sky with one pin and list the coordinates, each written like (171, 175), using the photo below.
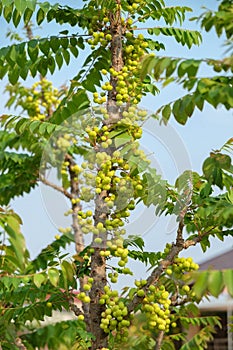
(42, 210)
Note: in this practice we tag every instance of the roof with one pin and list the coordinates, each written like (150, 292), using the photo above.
(222, 261)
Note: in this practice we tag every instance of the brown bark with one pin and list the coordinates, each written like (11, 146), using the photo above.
(98, 272)
(117, 65)
(28, 29)
(74, 190)
(78, 234)
(159, 340)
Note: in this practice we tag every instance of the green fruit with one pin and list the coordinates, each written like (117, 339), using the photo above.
(137, 283)
(114, 279)
(86, 287)
(161, 327)
(140, 293)
(98, 240)
(143, 282)
(121, 263)
(152, 288)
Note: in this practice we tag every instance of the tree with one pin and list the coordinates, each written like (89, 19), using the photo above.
(99, 121)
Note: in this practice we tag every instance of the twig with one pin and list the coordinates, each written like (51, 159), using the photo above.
(159, 340)
(55, 187)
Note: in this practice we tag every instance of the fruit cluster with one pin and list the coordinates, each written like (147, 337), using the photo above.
(133, 6)
(156, 305)
(126, 82)
(117, 250)
(63, 143)
(98, 135)
(132, 115)
(182, 265)
(41, 100)
(129, 87)
(83, 296)
(177, 270)
(103, 38)
(38, 101)
(115, 316)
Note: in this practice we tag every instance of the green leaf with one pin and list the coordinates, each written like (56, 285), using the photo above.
(54, 43)
(201, 283)
(64, 43)
(148, 64)
(39, 279)
(73, 41)
(228, 280)
(40, 16)
(74, 51)
(66, 56)
(68, 271)
(27, 15)
(20, 5)
(8, 11)
(51, 64)
(59, 59)
(64, 32)
(16, 17)
(166, 112)
(53, 275)
(122, 139)
(179, 113)
(134, 241)
(10, 222)
(33, 49)
(44, 46)
(13, 75)
(215, 283)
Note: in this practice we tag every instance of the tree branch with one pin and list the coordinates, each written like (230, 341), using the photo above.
(159, 340)
(55, 187)
(192, 242)
(78, 234)
(163, 265)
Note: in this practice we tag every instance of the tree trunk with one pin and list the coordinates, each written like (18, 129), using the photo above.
(98, 263)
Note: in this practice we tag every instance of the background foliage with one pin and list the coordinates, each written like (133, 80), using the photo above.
(58, 127)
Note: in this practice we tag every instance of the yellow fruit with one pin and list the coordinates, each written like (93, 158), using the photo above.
(81, 317)
(186, 288)
(86, 287)
(169, 271)
(86, 299)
